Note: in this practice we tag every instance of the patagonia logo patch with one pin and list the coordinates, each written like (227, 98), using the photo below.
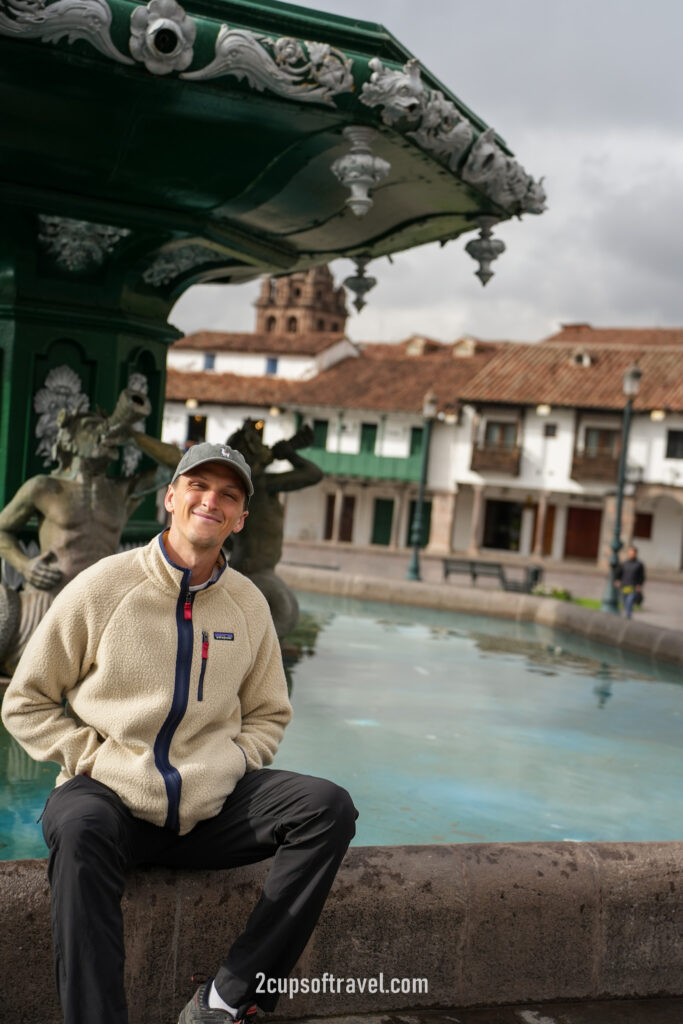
(224, 636)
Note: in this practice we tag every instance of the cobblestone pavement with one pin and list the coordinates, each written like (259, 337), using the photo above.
(636, 1011)
(663, 604)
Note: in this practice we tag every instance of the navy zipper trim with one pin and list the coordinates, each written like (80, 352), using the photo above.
(181, 688)
(205, 658)
(181, 692)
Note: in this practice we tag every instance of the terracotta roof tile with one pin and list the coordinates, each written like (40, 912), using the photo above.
(641, 337)
(534, 374)
(393, 382)
(228, 388)
(266, 344)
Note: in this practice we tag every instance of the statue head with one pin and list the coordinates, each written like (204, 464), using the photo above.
(85, 436)
(247, 440)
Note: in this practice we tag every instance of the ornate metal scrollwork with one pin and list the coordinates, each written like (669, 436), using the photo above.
(358, 169)
(441, 129)
(359, 283)
(485, 249)
(62, 389)
(76, 19)
(78, 244)
(310, 72)
(171, 264)
(131, 456)
(162, 36)
(502, 178)
(446, 133)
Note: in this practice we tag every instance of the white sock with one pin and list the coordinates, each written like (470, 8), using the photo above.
(216, 1003)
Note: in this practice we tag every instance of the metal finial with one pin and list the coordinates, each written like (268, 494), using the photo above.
(485, 249)
(359, 283)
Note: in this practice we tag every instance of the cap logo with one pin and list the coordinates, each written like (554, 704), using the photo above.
(224, 451)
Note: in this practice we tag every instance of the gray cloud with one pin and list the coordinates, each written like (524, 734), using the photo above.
(583, 94)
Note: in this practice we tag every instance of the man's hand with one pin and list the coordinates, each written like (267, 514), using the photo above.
(42, 573)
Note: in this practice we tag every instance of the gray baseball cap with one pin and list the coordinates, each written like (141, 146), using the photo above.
(198, 454)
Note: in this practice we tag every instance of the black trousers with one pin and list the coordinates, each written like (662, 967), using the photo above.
(305, 822)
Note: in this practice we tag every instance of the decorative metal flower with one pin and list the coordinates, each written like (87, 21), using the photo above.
(162, 36)
(288, 51)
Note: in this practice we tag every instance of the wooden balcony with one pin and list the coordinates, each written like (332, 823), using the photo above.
(595, 467)
(496, 460)
(366, 465)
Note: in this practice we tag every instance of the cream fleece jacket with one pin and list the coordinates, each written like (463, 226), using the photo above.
(170, 695)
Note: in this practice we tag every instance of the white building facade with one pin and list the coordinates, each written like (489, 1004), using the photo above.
(523, 453)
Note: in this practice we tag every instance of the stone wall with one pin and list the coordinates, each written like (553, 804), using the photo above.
(485, 924)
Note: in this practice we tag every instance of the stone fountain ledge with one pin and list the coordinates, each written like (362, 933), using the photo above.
(639, 637)
(485, 924)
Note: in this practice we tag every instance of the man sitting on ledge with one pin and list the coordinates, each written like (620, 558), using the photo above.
(176, 699)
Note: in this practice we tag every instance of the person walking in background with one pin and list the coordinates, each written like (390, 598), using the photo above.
(630, 577)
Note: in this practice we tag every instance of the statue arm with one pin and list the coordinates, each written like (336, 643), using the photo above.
(41, 570)
(304, 474)
(162, 453)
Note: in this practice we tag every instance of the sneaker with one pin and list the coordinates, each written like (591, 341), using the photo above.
(198, 1010)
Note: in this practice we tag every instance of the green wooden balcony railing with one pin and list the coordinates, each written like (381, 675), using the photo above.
(365, 464)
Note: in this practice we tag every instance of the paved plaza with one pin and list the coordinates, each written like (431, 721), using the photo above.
(663, 604)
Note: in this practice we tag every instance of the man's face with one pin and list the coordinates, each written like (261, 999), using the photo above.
(206, 505)
(632, 553)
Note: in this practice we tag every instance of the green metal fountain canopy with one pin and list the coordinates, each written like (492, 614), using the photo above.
(230, 139)
(147, 147)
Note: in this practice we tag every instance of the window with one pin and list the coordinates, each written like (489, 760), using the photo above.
(320, 433)
(329, 517)
(642, 527)
(674, 444)
(416, 434)
(600, 442)
(292, 325)
(500, 435)
(320, 325)
(550, 430)
(209, 361)
(271, 366)
(196, 429)
(270, 324)
(368, 437)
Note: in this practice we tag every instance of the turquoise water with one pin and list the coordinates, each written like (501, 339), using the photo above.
(452, 728)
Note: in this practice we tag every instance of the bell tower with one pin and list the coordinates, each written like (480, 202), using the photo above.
(305, 302)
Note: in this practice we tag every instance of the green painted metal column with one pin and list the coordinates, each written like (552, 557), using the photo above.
(65, 336)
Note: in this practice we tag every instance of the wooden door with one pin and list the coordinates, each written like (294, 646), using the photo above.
(346, 522)
(582, 539)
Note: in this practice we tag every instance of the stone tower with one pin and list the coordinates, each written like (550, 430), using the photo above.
(302, 303)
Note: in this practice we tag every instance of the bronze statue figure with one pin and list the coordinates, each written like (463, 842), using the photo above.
(81, 512)
(258, 548)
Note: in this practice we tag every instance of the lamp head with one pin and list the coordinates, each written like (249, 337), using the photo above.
(632, 380)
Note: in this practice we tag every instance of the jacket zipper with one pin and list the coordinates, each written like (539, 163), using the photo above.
(181, 692)
(205, 658)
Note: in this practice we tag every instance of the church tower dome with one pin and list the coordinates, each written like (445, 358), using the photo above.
(305, 302)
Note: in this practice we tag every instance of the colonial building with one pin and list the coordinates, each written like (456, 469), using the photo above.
(524, 450)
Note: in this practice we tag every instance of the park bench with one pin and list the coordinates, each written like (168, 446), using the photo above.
(474, 567)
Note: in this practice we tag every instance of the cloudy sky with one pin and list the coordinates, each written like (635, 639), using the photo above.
(587, 93)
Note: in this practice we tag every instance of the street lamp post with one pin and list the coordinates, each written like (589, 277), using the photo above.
(429, 404)
(610, 600)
